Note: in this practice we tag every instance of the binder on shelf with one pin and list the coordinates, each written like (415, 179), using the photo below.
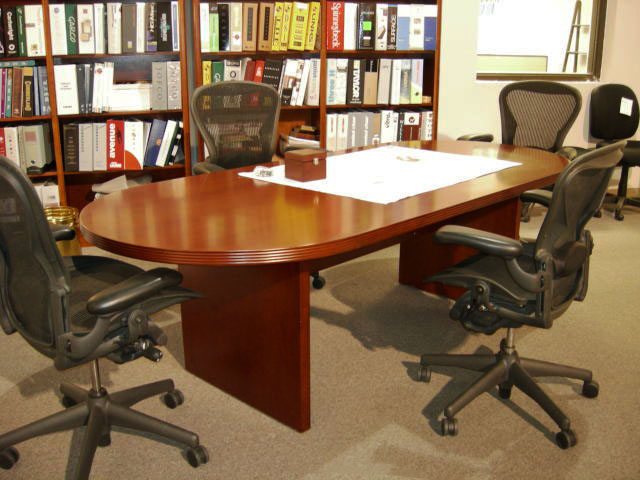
(154, 142)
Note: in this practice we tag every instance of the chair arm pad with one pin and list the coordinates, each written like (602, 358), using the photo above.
(62, 232)
(477, 137)
(206, 167)
(133, 290)
(542, 197)
(485, 242)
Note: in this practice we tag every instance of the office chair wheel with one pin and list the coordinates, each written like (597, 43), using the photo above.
(67, 402)
(424, 374)
(566, 439)
(504, 390)
(197, 456)
(104, 440)
(8, 458)
(598, 214)
(449, 426)
(318, 282)
(618, 215)
(173, 399)
(590, 389)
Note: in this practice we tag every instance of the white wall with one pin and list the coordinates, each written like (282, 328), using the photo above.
(467, 105)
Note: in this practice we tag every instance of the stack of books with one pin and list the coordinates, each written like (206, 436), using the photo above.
(297, 80)
(89, 88)
(28, 146)
(23, 27)
(121, 145)
(364, 128)
(24, 89)
(381, 26)
(114, 28)
(384, 81)
(242, 27)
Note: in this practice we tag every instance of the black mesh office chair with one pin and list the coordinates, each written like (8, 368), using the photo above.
(610, 122)
(512, 283)
(76, 310)
(238, 122)
(536, 114)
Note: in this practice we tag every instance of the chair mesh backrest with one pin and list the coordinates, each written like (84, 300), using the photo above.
(605, 120)
(577, 195)
(33, 278)
(238, 121)
(538, 113)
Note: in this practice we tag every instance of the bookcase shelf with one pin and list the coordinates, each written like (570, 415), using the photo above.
(35, 118)
(74, 188)
(292, 116)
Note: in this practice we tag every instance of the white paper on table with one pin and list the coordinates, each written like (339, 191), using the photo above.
(391, 173)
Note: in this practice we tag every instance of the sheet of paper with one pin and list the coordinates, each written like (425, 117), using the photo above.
(391, 173)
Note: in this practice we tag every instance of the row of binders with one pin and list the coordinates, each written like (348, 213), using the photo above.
(241, 27)
(381, 26)
(28, 146)
(24, 89)
(121, 145)
(89, 88)
(384, 81)
(364, 128)
(297, 80)
(114, 28)
(21, 31)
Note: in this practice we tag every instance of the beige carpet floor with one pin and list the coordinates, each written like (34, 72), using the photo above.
(370, 418)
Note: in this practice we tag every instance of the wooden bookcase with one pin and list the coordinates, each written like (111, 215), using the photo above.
(75, 187)
(291, 116)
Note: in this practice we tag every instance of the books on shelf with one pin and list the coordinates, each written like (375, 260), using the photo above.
(28, 146)
(384, 81)
(24, 89)
(120, 144)
(380, 26)
(264, 26)
(362, 128)
(114, 27)
(89, 88)
(22, 31)
(296, 79)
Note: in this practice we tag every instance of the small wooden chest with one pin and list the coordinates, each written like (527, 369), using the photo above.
(305, 165)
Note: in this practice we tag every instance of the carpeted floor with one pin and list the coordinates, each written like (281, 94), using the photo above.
(370, 418)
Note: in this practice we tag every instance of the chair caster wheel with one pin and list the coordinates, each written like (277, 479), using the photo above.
(618, 216)
(449, 426)
(68, 402)
(566, 439)
(197, 456)
(8, 458)
(590, 389)
(504, 391)
(424, 374)
(104, 440)
(173, 399)
(598, 214)
(318, 282)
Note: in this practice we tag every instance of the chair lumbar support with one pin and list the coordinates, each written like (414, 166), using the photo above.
(506, 369)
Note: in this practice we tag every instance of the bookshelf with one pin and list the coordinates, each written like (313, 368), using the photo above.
(291, 116)
(75, 187)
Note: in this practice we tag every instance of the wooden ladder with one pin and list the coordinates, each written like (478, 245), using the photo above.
(575, 30)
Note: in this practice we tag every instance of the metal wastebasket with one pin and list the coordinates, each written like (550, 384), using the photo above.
(67, 216)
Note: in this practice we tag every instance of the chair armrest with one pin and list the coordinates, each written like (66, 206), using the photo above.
(570, 153)
(485, 242)
(62, 232)
(542, 197)
(206, 167)
(133, 290)
(477, 137)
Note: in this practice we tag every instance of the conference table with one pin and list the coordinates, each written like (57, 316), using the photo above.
(249, 246)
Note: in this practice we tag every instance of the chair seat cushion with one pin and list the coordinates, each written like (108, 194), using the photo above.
(89, 275)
